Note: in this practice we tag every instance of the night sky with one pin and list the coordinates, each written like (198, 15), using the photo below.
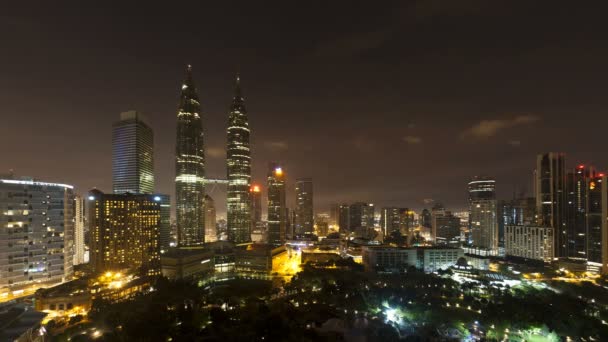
(394, 104)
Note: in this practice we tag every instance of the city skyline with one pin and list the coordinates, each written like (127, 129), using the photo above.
(313, 108)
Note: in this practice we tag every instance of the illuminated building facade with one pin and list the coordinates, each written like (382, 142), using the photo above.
(277, 209)
(210, 220)
(256, 206)
(79, 219)
(519, 211)
(389, 220)
(407, 221)
(36, 233)
(125, 232)
(304, 219)
(578, 202)
(238, 160)
(132, 154)
(483, 221)
(551, 206)
(529, 242)
(165, 221)
(596, 218)
(189, 166)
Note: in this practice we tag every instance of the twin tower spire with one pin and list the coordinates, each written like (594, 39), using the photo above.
(190, 168)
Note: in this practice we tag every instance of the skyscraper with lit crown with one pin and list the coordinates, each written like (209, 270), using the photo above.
(277, 213)
(189, 166)
(238, 170)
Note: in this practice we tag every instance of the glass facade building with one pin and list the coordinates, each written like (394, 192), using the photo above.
(238, 159)
(189, 167)
(483, 220)
(277, 209)
(550, 186)
(36, 233)
(304, 216)
(132, 154)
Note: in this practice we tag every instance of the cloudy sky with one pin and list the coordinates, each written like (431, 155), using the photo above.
(387, 102)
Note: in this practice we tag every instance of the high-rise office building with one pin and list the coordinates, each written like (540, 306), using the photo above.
(256, 206)
(322, 224)
(361, 218)
(407, 221)
(529, 242)
(551, 198)
(483, 221)
(344, 219)
(165, 221)
(79, 223)
(210, 220)
(189, 166)
(304, 219)
(578, 201)
(239, 170)
(595, 217)
(132, 154)
(125, 232)
(390, 220)
(426, 218)
(277, 209)
(437, 210)
(36, 234)
(447, 230)
(334, 215)
(517, 211)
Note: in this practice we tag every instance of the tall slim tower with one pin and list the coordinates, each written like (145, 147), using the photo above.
(277, 209)
(551, 195)
(210, 220)
(132, 154)
(578, 202)
(239, 170)
(79, 219)
(189, 166)
(304, 219)
(483, 220)
(256, 206)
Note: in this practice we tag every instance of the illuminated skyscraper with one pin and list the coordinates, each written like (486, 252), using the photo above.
(79, 218)
(256, 206)
(577, 184)
(239, 170)
(277, 209)
(124, 232)
(304, 219)
(189, 166)
(483, 221)
(551, 198)
(210, 220)
(36, 233)
(426, 219)
(389, 220)
(132, 154)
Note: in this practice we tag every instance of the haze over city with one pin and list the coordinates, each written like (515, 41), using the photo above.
(390, 104)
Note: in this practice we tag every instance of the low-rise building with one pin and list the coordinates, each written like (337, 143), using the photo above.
(256, 258)
(398, 259)
(181, 263)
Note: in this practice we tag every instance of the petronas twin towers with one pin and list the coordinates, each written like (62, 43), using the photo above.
(190, 168)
